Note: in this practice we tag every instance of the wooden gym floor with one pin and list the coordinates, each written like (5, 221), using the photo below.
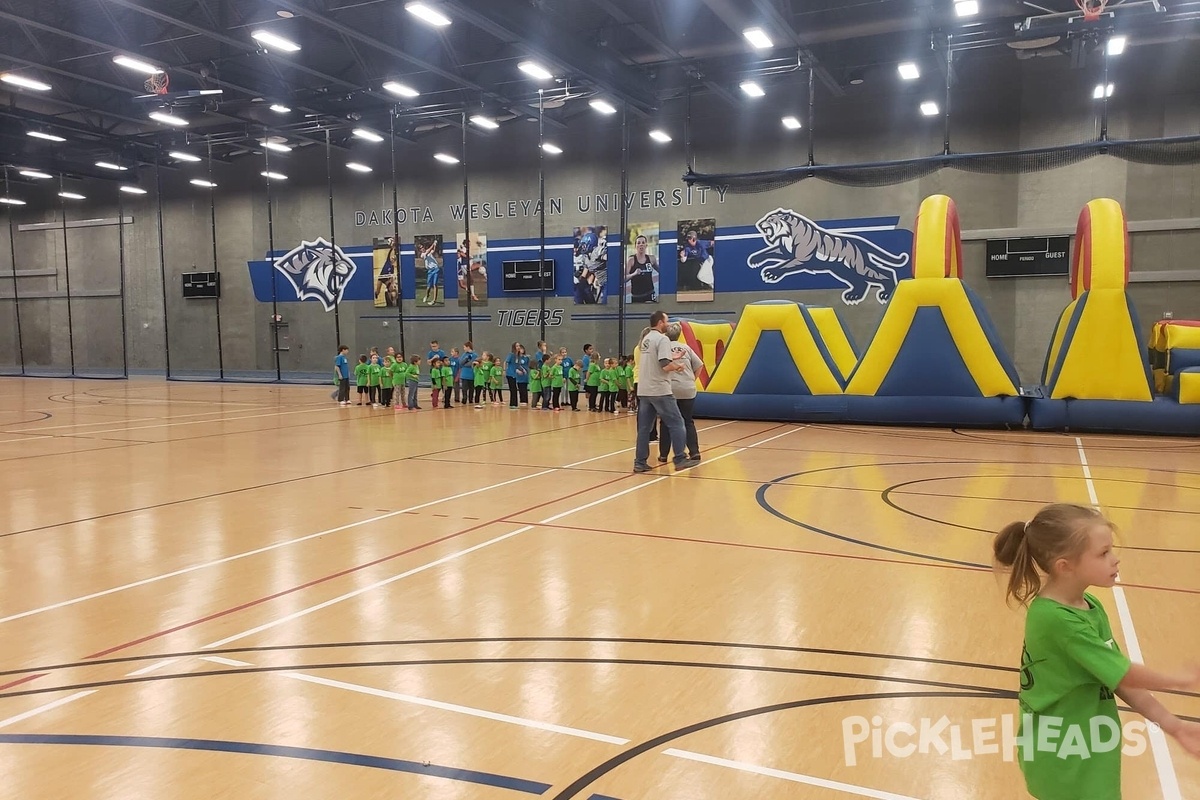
(238, 591)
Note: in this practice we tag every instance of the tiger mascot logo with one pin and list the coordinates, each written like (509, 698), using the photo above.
(796, 244)
(318, 271)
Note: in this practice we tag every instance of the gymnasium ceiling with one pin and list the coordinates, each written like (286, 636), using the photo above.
(645, 54)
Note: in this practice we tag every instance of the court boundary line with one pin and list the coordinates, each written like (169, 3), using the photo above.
(1168, 778)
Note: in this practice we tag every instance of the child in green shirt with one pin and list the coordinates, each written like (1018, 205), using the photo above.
(362, 377)
(399, 378)
(535, 383)
(374, 371)
(483, 372)
(447, 373)
(496, 381)
(573, 377)
(411, 378)
(593, 384)
(629, 403)
(608, 386)
(385, 381)
(556, 382)
(1069, 745)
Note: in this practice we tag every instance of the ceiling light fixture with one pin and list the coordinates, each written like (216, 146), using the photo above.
(71, 196)
(357, 167)
(178, 156)
(278, 147)
(274, 176)
(167, 119)
(603, 106)
(1116, 45)
(966, 8)
(426, 14)
(909, 71)
(1100, 93)
(136, 65)
(202, 183)
(535, 70)
(395, 87)
(552, 149)
(758, 38)
(271, 40)
(110, 165)
(485, 122)
(33, 173)
(11, 201)
(659, 136)
(133, 190)
(929, 108)
(445, 159)
(752, 89)
(49, 137)
(25, 83)
(791, 123)
(278, 108)
(370, 136)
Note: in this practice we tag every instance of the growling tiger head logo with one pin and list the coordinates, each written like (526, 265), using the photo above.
(318, 271)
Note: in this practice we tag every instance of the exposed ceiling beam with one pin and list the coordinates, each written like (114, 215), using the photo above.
(525, 24)
(238, 44)
(320, 19)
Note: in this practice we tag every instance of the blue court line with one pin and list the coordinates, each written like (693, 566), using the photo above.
(601, 797)
(280, 751)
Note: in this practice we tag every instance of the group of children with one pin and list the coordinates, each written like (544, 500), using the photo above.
(467, 378)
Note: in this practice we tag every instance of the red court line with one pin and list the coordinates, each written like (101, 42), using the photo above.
(19, 681)
(816, 553)
(342, 573)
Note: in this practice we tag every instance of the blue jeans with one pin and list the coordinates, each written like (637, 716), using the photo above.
(412, 395)
(663, 406)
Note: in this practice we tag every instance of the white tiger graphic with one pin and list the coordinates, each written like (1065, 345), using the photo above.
(318, 270)
(796, 244)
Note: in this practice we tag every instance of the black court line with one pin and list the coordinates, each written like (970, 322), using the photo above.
(518, 640)
(598, 772)
(438, 662)
(553, 431)
(886, 496)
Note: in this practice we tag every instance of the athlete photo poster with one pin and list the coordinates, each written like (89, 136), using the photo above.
(474, 260)
(641, 271)
(695, 261)
(386, 262)
(591, 265)
(429, 261)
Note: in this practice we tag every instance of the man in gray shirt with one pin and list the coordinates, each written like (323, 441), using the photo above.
(683, 386)
(656, 364)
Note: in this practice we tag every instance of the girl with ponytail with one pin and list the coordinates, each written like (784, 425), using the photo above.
(1071, 667)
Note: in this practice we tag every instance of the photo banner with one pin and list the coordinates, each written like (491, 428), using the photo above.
(429, 262)
(641, 273)
(591, 265)
(386, 261)
(474, 260)
(695, 266)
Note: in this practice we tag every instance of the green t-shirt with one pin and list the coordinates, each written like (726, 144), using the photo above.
(399, 373)
(496, 376)
(482, 371)
(414, 374)
(606, 380)
(447, 377)
(1070, 669)
(628, 371)
(373, 372)
(361, 374)
(573, 379)
(535, 379)
(385, 376)
(593, 376)
(556, 376)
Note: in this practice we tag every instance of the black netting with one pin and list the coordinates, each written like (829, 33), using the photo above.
(1168, 152)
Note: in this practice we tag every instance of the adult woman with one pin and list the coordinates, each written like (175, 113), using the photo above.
(641, 271)
(683, 387)
(516, 371)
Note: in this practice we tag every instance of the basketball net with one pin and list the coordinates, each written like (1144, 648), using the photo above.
(1092, 9)
(158, 83)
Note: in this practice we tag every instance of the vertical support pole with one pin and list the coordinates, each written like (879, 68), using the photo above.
(467, 231)
(337, 320)
(624, 223)
(12, 252)
(62, 201)
(949, 83)
(212, 213)
(162, 265)
(1104, 99)
(542, 206)
(271, 259)
(689, 155)
(812, 105)
(396, 237)
(121, 281)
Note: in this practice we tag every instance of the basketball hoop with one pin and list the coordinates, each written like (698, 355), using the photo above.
(158, 83)
(1092, 9)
